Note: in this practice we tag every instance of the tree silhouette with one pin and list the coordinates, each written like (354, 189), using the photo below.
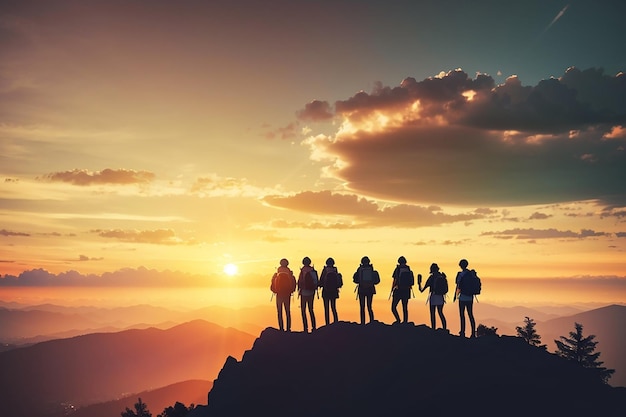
(141, 410)
(177, 410)
(529, 334)
(581, 349)
(483, 330)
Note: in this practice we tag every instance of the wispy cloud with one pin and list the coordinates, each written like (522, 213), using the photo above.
(107, 176)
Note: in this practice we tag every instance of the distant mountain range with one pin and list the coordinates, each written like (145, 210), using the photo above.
(348, 369)
(43, 379)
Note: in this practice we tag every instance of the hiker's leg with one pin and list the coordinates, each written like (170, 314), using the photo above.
(394, 308)
(442, 317)
(279, 311)
(288, 311)
(462, 317)
(362, 307)
(305, 325)
(310, 303)
(369, 307)
(405, 309)
(333, 305)
(470, 313)
(327, 302)
(432, 317)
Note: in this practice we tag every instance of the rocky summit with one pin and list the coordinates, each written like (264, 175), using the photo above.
(347, 369)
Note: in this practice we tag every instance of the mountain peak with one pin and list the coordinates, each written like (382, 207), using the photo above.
(378, 369)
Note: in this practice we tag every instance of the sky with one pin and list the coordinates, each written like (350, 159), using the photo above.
(152, 143)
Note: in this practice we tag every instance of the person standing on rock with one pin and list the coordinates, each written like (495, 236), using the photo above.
(403, 281)
(366, 278)
(307, 287)
(283, 285)
(330, 281)
(438, 284)
(466, 297)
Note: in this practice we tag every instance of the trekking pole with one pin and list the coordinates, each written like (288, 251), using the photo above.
(272, 297)
(355, 290)
(390, 292)
(412, 293)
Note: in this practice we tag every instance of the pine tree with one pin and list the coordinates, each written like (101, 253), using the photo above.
(581, 349)
(529, 334)
(141, 410)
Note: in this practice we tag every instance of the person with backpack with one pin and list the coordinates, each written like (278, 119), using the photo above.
(330, 281)
(283, 285)
(403, 281)
(307, 287)
(366, 278)
(438, 284)
(465, 290)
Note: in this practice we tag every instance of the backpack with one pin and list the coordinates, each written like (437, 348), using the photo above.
(406, 278)
(283, 283)
(310, 280)
(368, 277)
(440, 284)
(331, 280)
(470, 283)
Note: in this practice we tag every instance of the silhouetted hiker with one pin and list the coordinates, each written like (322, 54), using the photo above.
(438, 284)
(283, 285)
(366, 277)
(307, 286)
(466, 301)
(403, 281)
(330, 281)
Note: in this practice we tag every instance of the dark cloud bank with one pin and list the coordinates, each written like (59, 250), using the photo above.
(456, 140)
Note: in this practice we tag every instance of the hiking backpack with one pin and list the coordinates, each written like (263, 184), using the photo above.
(283, 283)
(310, 280)
(368, 277)
(331, 280)
(470, 283)
(440, 284)
(406, 279)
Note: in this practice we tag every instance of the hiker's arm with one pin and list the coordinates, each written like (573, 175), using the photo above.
(419, 283)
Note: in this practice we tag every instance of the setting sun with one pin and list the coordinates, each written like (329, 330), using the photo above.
(230, 269)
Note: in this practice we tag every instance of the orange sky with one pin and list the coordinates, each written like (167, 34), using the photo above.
(186, 137)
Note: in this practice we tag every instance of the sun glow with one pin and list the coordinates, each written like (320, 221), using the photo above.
(230, 269)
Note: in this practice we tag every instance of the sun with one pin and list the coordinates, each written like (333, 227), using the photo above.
(230, 269)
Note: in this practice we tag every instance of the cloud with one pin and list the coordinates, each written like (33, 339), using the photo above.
(84, 258)
(107, 176)
(544, 234)
(316, 110)
(157, 237)
(358, 212)
(4, 232)
(213, 185)
(454, 140)
(140, 277)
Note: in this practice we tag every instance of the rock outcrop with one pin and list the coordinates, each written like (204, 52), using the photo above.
(347, 369)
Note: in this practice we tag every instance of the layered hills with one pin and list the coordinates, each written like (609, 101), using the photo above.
(47, 378)
(378, 369)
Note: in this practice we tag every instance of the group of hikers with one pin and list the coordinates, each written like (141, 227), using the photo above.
(284, 284)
